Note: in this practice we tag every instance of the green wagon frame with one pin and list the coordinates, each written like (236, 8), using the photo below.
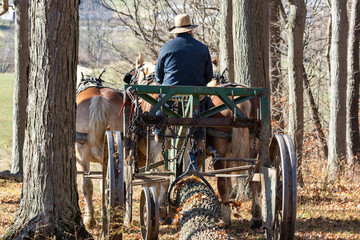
(277, 156)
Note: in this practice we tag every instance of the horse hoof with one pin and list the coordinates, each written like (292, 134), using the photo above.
(255, 224)
(89, 222)
(226, 217)
(227, 225)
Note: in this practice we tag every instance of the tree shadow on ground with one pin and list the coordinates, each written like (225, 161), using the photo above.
(328, 225)
(240, 229)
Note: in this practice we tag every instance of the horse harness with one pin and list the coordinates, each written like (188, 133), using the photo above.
(214, 132)
(89, 82)
(86, 83)
(147, 78)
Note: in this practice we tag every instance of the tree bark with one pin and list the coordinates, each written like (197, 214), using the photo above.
(338, 61)
(248, 43)
(276, 84)
(249, 62)
(20, 83)
(226, 53)
(314, 111)
(352, 95)
(49, 204)
(328, 46)
(295, 29)
(266, 38)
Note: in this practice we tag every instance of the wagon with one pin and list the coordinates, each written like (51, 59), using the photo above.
(275, 166)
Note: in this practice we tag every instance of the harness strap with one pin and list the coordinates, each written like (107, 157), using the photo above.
(81, 137)
(218, 133)
(131, 112)
(122, 108)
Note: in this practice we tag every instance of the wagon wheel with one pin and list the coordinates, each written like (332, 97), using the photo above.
(157, 214)
(284, 209)
(112, 189)
(149, 213)
(291, 149)
(128, 192)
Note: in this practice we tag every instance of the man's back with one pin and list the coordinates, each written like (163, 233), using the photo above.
(184, 61)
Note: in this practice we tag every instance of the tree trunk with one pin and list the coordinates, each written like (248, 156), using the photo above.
(266, 38)
(49, 204)
(226, 53)
(314, 111)
(338, 61)
(20, 83)
(249, 62)
(276, 84)
(352, 95)
(328, 46)
(295, 29)
(248, 43)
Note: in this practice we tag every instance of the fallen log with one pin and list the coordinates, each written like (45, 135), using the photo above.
(7, 175)
(199, 211)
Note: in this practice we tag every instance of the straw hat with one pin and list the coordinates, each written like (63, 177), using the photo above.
(182, 24)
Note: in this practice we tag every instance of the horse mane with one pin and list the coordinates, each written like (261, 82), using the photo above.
(139, 61)
(81, 72)
(215, 61)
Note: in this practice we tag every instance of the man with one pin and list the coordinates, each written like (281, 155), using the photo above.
(184, 61)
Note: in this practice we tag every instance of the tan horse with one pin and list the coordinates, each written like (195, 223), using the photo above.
(97, 111)
(232, 143)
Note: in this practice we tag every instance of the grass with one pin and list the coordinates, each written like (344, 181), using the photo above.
(6, 96)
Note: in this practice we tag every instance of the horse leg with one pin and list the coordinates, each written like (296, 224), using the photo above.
(224, 188)
(84, 165)
(223, 149)
(256, 220)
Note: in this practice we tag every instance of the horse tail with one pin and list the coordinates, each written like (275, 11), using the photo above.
(240, 136)
(98, 113)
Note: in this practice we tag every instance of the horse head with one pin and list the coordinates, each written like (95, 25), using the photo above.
(81, 73)
(219, 77)
(142, 74)
(146, 74)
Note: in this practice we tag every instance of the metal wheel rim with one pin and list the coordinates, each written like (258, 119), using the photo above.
(291, 150)
(282, 215)
(155, 219)
(108, 184)
(145, 214)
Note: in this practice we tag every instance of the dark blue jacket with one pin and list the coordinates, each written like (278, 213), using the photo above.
(184, 61)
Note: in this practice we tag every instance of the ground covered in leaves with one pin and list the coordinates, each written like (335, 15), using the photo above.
(325, 211)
